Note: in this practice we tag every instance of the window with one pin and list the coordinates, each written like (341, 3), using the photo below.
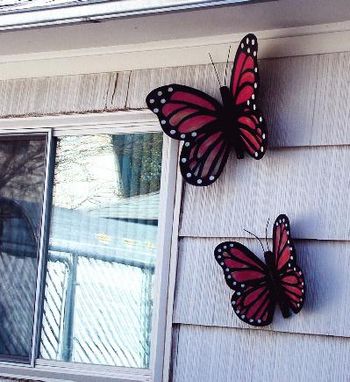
(86, 218)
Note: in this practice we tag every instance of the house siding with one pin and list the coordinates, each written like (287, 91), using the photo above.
(304, 174)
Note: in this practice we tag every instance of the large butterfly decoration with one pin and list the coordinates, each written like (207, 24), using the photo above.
(257, 286)
(210, 129)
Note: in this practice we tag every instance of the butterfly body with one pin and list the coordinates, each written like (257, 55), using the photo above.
(211, 129)
(257, 286)
(274, 281)
(229, 120)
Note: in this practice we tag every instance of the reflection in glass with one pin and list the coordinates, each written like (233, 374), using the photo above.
(102, 248)
(22, 180)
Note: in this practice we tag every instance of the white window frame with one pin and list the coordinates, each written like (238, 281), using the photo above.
(112, 123)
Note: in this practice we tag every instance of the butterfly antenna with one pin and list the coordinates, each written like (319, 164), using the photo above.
(216, 72)
(226, 67)
(267, 226)
(256, 238)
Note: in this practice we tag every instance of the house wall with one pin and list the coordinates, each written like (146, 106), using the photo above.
(304, 174)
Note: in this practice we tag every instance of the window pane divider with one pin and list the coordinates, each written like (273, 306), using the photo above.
(42, 248)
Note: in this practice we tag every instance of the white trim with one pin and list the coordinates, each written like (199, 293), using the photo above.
(131, 122)
(172, 277)
(34, 16)
(166, 226)
(295, 41)
(125, 121)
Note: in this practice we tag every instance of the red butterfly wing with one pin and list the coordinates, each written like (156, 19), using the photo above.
(291, 278)
(191, 115)
(183, 112)
(244, 88)
(202, 160)
(245, 76)
(252, 131)
(252, 300)
(293, 287)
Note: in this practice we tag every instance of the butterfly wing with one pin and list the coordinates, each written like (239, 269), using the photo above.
(184, 112)
(188, 114)
(202, 160)
(252, 299)
(291, 277)
(244, 88)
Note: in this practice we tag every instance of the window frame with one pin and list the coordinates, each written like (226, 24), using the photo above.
(112, 122)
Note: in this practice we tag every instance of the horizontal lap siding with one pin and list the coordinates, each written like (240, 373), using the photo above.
(309, 184)
(63, 94)
(203, 298)
(305, 174)
(226, 355)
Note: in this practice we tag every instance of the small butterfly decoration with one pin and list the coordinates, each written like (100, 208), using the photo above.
(209, 129)
(258, 287)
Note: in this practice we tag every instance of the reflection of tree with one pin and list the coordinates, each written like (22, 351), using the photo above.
(78, 183)
(92, 170)
(22, 162)
(139, 157)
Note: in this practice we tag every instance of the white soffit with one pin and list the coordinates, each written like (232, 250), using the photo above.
(19, 14)
(284, 28)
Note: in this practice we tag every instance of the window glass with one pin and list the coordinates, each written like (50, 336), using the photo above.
(102, 249)
(22, 183)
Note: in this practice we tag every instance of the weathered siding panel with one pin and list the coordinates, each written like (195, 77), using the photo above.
(305, 175)
(67, 94)
(287, 97)
(309, 184)
(226, 355)
(203, 298)
(332, 106)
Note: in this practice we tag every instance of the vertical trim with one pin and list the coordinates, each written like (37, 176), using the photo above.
(166, 219)
(172, 279)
